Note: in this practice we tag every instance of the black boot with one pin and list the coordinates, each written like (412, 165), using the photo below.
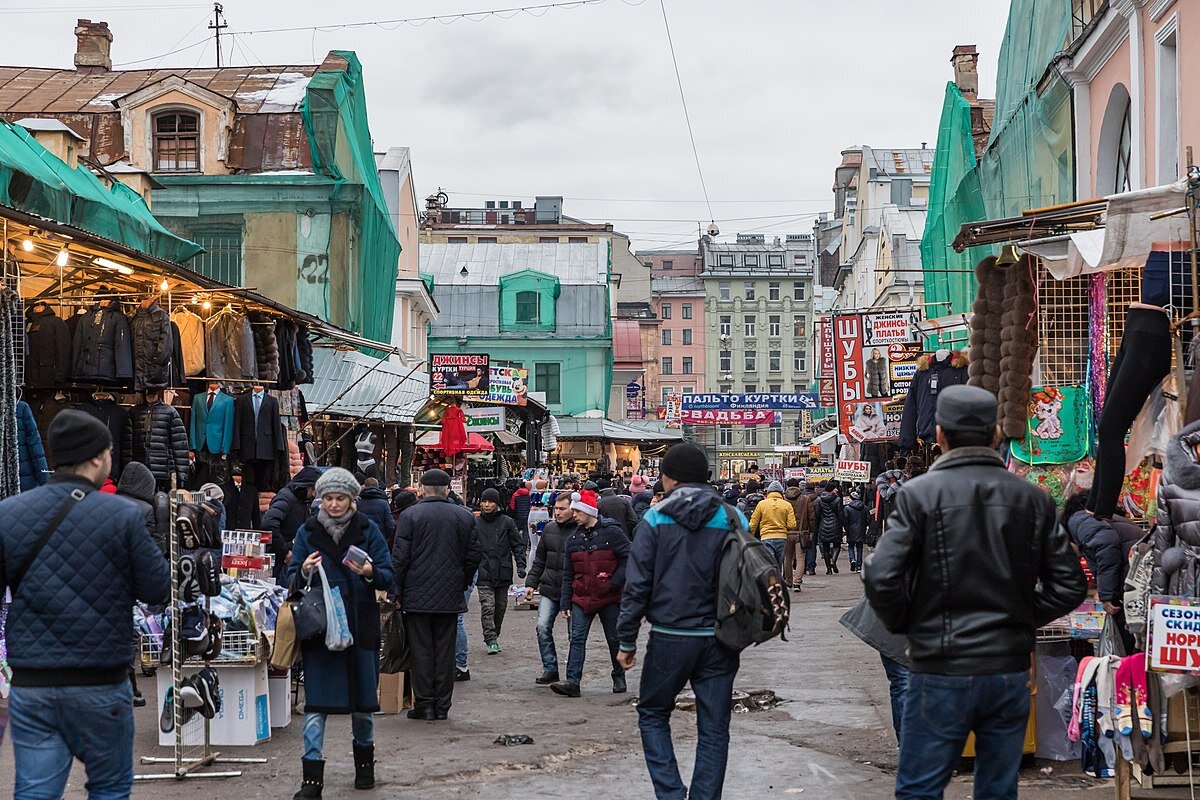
(314, 779)
(364, 766)
(619, 685)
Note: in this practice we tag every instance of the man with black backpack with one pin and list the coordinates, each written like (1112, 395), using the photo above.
(671, 580)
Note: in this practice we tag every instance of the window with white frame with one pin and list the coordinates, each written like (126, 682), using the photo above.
(775, 260)
(773, 290)
(748, 290)
(666, 310)
(725, 290)
(773, 325)
(776, 435)
(685, 310)
(668, 367)
(726, 325)
(798, 290)
(799, 326)
(726, 361)
(725, 436)
(666, 336)
(751, 361)
(687, 335)
(800, 360)
(751, 436)
(725, 259)
(667, 391)
(750, 260)
(775, 361)
(748, 324)
(687, 365)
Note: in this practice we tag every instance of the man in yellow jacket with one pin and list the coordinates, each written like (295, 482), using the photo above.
(772, 519)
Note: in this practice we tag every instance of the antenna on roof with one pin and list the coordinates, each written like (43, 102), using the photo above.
(216, 26)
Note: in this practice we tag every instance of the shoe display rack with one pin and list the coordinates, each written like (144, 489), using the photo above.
(192, 748)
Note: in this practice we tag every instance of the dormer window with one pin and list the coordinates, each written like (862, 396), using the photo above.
(176, 141)
(528, 306)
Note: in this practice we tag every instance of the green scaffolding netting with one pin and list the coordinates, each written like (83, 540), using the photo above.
(34, 180)
(335, 118)
(1027, 162)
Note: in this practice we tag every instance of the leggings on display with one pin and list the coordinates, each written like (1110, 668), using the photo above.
(1143, 360)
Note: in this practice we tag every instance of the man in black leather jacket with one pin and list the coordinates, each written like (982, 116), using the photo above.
(972, 563)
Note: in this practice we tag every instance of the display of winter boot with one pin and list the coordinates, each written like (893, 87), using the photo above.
(314, 779)
(364, 766)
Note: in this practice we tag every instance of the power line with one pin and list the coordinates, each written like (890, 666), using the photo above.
(93, 8)
(446, 19)
(683, 98)
(161, 56)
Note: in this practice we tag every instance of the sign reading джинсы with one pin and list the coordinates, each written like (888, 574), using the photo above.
(461, 374)
(749, 402)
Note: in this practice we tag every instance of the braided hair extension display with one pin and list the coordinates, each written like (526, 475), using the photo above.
(10, 467)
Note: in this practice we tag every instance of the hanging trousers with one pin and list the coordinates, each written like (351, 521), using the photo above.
(1143, 360)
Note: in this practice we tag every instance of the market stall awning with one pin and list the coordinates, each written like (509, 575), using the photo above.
(352, 384)
(475, 442)
(608, 430)
(509, 439)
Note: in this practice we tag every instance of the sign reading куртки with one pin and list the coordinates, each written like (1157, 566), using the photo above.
(749, 402)
(461, 374)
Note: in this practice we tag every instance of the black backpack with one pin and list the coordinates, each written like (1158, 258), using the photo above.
(753, 605)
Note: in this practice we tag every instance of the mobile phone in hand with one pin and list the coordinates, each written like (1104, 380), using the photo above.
(356, 555)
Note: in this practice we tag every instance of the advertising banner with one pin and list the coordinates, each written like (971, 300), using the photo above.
(674, 411)
(465, 375)
(793, 472)
(1174, 634)
(484, 419)
(745, 402)
(827, 394)
(508, 386)
(853, 471)
(875, 357)
(818, 474)
(729, 417)
(825, 343)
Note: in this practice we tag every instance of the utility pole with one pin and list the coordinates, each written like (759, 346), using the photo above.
(216, 26)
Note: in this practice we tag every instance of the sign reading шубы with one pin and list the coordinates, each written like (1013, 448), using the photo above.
(853, 471)
(748, 402)
(1174, 634)
(465, 375)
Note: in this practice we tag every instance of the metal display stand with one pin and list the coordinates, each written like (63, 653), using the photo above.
(187, 759)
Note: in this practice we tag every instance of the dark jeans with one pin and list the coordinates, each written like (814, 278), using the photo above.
(940, 711)
(897, 675)
(581, 625)
(810, 557)
(776, 546)
(547, 611)
(51, 726)
(670, 663)
(854, 551)
(493, 602)
(431, 641)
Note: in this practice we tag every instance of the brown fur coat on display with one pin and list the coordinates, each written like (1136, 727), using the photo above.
(1004, 339)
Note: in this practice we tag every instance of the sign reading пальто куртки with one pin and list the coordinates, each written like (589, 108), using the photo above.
(749, 402)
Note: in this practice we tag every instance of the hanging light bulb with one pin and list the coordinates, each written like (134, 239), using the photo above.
(206, 305)
(62, 258)
(164, 285)
(27, 245)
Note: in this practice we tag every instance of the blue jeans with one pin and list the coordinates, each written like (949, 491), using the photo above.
(776, 546)
(547, 611)
(581, 624)
(897, 675)
(460, 641)
(810, 556)
(362, 728)
(940, 711)
(670, 663)
(53, 725)
(855, 552)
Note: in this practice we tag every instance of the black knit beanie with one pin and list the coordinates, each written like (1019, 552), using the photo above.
(75, 437)
(490, 494)
(686, 463)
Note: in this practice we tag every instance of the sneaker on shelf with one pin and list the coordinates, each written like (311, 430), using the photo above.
(189, 583)
(166, 720)
(215, 628)
(210, 691)
(189, 690)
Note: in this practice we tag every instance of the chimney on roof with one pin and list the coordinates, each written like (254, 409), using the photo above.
(93, 40)
(965, 60)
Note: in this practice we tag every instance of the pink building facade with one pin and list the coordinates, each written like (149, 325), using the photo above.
(1127, 65)
(678, 300)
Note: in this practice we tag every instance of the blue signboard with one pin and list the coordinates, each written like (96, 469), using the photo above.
(633, 389)
(746, 402)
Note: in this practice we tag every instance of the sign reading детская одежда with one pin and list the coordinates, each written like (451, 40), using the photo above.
(749, 402)
(1174, 643)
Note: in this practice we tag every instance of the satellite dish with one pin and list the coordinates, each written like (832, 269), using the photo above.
(713, 230)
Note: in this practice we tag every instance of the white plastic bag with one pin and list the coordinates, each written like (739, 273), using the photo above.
(337, 627)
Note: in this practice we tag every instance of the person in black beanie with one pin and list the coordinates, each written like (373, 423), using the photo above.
(500, 544)
(671, 581)
(67, 545)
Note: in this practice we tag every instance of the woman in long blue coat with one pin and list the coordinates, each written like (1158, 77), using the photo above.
(345, 681)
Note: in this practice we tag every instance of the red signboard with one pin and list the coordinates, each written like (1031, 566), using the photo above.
(827, 394)
(825, 328)
(243, 562)
(729, 417)
(875, 356)
(847, 345)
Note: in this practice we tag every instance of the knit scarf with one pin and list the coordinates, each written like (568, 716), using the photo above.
(336, 526)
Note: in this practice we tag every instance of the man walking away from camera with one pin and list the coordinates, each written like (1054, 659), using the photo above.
(972, 564)
(672, 582)
(76, 560)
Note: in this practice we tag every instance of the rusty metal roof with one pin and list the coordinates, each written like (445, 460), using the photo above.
(257, 90)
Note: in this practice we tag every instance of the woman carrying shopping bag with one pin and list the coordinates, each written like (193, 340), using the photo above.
(330, 547)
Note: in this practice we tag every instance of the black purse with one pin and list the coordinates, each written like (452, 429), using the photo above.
(308, 610)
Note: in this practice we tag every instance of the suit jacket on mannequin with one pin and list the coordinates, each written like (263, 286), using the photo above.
(260, 439)
(212, 428)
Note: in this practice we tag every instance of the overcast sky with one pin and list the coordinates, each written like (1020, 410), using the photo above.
(582, 102)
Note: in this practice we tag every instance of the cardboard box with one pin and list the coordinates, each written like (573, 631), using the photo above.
(395, 692)
(245, 717)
